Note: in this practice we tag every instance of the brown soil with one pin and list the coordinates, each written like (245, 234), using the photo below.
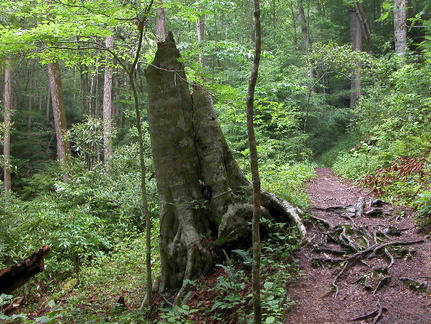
(397, 302)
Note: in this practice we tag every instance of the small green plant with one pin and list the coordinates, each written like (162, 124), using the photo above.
(50, 317)
(177, 314)
(423, 205)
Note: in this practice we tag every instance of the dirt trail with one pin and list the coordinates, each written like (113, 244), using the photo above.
(362, 289)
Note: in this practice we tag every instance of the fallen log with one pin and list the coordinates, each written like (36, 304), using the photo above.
(16, 275)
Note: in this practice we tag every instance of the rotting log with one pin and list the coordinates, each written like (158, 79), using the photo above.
(16, 275)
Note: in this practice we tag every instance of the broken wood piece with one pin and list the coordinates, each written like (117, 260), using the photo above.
(414, 284)
(359, 207)
(378, 203)
(16, 275)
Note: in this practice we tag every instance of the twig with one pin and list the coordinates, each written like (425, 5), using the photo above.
(379, 313)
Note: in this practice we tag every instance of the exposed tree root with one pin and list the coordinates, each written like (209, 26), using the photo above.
(376, 315)
(346, 244)
(293, 213)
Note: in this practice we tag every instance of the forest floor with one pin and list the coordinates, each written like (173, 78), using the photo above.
(369, 265)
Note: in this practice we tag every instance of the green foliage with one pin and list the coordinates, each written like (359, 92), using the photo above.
(79, 219)
(288, 180)
(423, 205)
(177, 314)
(393, 118)
(87, 139)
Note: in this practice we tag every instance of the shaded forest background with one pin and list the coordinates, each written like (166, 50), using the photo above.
(336, 88)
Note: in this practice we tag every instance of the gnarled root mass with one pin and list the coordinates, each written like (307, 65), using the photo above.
(347, 244)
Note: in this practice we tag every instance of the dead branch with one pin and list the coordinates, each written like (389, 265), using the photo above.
(18, 274)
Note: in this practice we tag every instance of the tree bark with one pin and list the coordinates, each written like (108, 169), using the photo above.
(55, 84)
(304, 26)
(107, 105)
(7, 103)
(204, 197)
(400, 28)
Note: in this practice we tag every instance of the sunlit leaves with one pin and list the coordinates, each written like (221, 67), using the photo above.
(337, 59)
(63, 30)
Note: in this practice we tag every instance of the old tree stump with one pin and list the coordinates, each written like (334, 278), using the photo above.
(205, 199)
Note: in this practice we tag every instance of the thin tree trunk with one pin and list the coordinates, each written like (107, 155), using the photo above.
(257, 306)
(55, 84)
(107, 105)
(85, 90)
(307, 41)
(200, 30)
(356, 37)
(293, 11)
(7, 103)
(304, 26)
(31, 96)
(400, 28)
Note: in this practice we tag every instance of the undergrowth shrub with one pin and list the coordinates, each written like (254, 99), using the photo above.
(288, 180)
(423, 206)
(92, 221)
(393, 119)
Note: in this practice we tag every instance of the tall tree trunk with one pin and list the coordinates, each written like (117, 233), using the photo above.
(160, 22)
(107, 104)
(363, 22)
(257, 201)
(7, 103)
(56, 87)
(85, 90)
(356, 37)
(204, 196)
(400, 28)
(307, 42)
(200, 31)
(304, 26)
